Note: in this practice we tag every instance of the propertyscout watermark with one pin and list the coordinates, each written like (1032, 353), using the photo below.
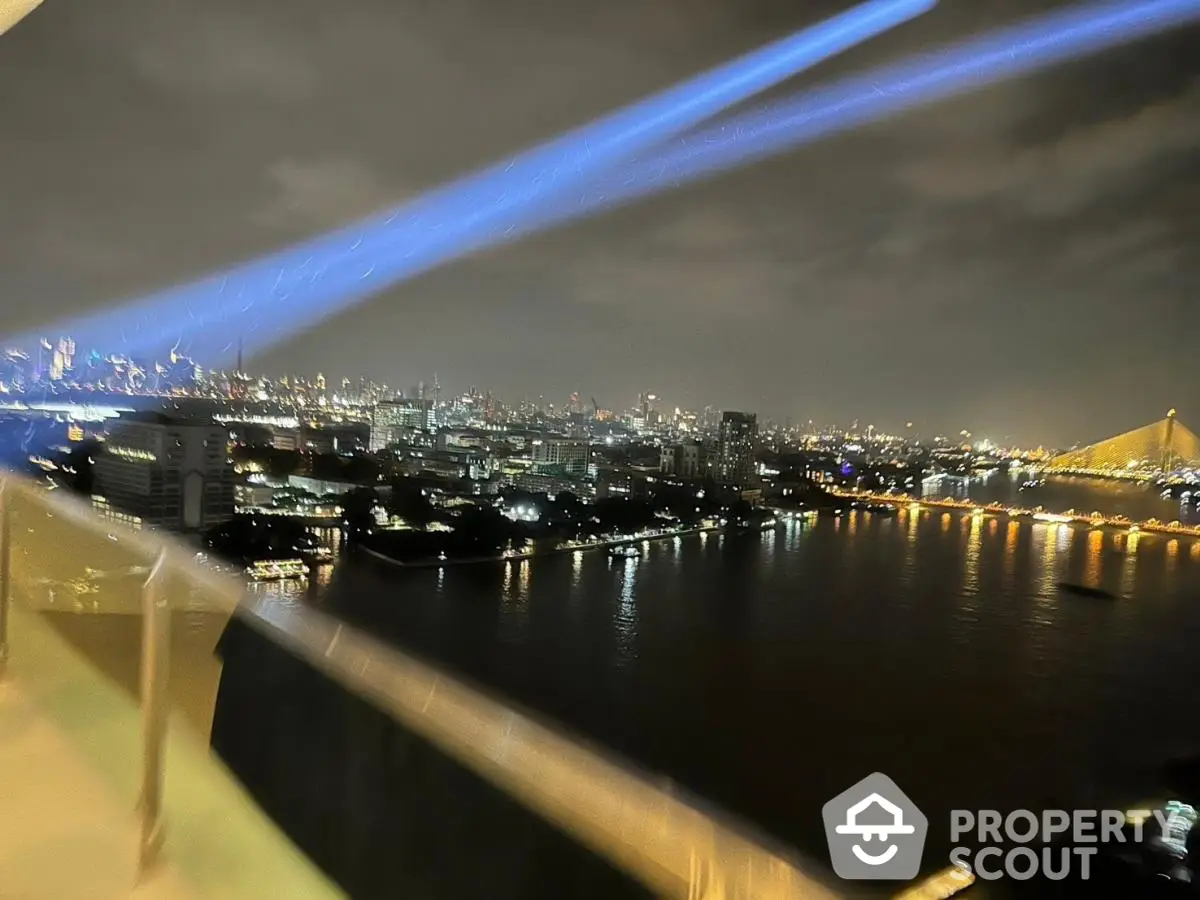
(876, 832)
(988, 836)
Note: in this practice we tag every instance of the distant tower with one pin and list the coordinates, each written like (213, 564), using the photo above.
(237, 384)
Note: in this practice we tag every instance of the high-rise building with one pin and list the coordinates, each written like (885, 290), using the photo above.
(737, 441)
(62, 359)
(394, 421)
(565, 455)
(173, 472)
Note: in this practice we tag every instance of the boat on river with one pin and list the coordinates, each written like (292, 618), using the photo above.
(1086, 590)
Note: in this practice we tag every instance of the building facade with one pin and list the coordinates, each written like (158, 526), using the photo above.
(396, 421)
(685, 460)
(169, 472)
(737, 443)
(568, 456)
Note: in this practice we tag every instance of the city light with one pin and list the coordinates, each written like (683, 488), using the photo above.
(264, 300)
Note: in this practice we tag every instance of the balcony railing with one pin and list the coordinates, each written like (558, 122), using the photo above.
(13, 11)
(672, 844)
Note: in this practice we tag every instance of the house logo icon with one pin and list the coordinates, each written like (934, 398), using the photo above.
(875, 831)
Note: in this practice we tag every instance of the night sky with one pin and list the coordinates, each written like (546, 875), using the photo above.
(1023, 262)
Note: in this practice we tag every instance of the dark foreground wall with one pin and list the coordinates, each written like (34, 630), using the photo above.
(380, 810)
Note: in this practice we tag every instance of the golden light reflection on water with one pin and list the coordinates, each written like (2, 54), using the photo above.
(974, 527)
(1093, 566)
(1012, 535)
(912, 523)
(1126, 545)
(576, 568)
(1044, 547)
(519, 584)
(1172, 554)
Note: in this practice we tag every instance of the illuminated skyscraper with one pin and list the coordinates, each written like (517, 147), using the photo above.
(736, 445)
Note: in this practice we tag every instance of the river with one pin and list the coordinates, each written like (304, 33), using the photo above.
(769, 672)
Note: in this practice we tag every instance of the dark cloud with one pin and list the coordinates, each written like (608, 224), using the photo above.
(1019, 262)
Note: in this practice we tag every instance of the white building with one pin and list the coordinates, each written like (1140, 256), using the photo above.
(169, 472)
(566, 455)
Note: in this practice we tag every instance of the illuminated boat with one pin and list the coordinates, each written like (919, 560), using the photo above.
(624, 551)
(276, 570)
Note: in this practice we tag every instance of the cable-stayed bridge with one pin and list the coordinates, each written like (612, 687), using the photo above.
(1161, 449)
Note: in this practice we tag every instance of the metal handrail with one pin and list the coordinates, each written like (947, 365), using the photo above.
(5, 569)
(670, 843)
(13, 11)
(155, 669)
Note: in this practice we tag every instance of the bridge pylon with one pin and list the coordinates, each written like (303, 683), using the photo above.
(1160, 448)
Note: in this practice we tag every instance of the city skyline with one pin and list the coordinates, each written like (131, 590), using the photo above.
(1024, 251)
(60, 365)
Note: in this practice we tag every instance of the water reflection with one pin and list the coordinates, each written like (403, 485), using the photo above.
(1128, 545)
(524, 573)
(626, 620)
(714, 660)
(1092, 574)
(974, 526)
(1012, 534)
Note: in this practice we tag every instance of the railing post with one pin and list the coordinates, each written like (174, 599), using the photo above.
(156, 647)
(5, 570)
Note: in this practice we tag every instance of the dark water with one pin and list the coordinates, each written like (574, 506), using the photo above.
(768, 673)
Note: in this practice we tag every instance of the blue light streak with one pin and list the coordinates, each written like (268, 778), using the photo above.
(1021, 49)
(1018, 50)
(288, 291)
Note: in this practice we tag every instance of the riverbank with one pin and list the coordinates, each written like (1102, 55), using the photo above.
(1096, 520)
(566, 547)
